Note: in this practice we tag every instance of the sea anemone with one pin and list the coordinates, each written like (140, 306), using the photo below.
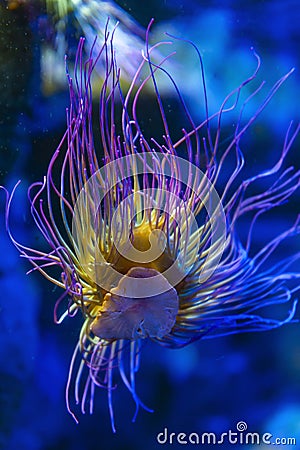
(89, 18)
(143, 232)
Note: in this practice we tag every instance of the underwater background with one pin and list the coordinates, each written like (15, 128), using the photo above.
(211, 385)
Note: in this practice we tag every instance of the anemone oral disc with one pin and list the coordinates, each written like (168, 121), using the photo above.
(128, 314)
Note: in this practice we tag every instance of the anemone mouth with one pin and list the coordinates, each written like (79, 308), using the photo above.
(123, 315)
(146, 248)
